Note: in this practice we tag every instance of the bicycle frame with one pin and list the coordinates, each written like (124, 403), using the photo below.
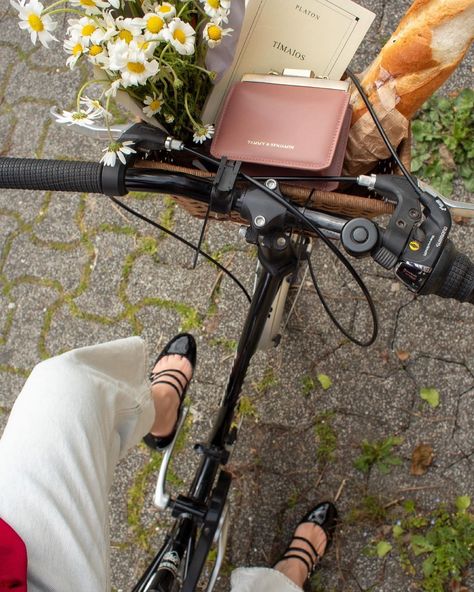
(204, 498)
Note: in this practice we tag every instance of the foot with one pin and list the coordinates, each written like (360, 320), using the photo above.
(298, 570)
(170, 378)
(166, 397)
(312, 537)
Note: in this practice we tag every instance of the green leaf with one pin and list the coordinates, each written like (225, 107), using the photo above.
(324, 381)
(428, 566)
(430, 395)
(383, 549)
(397, 530)
(420, 544)
(463, 502)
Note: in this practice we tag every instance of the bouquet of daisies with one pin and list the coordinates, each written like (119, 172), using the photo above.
(153, 51)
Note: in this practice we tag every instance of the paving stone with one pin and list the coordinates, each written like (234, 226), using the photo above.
(102, 294)
(68, 332)
(52, 227)
(52, 86)
(27, 204)
(31, 303)
(26, 258)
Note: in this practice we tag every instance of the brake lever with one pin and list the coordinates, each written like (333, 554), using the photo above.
(458, 208)
(146, 137)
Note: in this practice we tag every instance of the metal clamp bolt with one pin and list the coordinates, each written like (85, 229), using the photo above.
(259, 221)
(271, 184)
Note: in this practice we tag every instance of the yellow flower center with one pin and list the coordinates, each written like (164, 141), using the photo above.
(126, 35)
(35, 23)
(214, 32)
(87, 2)
(87, 30)
(154, 24)
(143, 45)
(214, 3)
(155, 105)
(77, 49)
(179, 35)
(164, 9)
(136, 67)
(95, 50)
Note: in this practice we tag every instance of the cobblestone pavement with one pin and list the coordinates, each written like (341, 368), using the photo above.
(74, 270)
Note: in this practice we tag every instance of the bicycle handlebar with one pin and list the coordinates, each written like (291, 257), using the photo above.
(51, 175)
(451, 277)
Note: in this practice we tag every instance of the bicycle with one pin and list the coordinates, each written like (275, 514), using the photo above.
(415, 243)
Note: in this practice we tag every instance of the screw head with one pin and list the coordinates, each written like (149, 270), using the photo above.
(271, 184)
(414, 214)
(259, 221)
(281, 241)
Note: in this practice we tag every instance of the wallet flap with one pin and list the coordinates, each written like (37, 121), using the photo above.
(278, 125)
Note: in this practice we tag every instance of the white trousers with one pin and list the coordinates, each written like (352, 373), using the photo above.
(76, 416)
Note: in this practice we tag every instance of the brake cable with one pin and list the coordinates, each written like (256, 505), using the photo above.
(130, 210)
(297, 214)
(379, 126)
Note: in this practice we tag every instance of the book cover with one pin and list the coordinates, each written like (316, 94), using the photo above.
(318, 35)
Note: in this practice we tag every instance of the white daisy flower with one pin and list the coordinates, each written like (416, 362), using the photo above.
(32, 19)
(114, 87)
(217, 9)
(131, 62)
(203, 133)
(181, 36)
(129, 28)
(154, 105)
(82, 28)
(76, 117)
(117, 149)
(148, 47)
(166, 10)
(91, 6)
(97, 55)
(155, 26)
(76, 47)
(148, 6)
(94, 107)
(115, 4)
(107, 29)
(213, 34)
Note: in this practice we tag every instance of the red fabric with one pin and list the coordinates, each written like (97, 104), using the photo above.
(13, 560)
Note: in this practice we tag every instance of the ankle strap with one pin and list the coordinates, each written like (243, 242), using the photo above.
(310, 545)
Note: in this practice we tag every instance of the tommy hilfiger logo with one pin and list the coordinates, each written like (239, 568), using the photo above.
(270, 144)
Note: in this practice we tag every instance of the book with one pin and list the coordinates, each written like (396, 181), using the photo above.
(319, 35)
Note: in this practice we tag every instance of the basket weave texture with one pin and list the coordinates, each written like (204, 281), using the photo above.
(363, 204)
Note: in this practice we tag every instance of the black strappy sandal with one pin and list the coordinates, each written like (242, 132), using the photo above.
(182, 345)
(323, 515)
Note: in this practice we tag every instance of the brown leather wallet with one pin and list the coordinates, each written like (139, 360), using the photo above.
(293, 126)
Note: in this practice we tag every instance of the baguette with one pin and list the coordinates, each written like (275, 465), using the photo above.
(428, 44)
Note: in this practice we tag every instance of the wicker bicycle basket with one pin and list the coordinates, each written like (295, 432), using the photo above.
(356, 202)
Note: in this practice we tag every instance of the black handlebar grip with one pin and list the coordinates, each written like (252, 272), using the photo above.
(452, 276)
(51, 175)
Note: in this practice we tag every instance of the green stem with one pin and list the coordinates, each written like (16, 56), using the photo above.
(183, 8)
(48, 8)
(200, 9)
(68, 10)
(196, 67)
(107, 119)
(165, 49)
(83, 87)
(186, 106)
